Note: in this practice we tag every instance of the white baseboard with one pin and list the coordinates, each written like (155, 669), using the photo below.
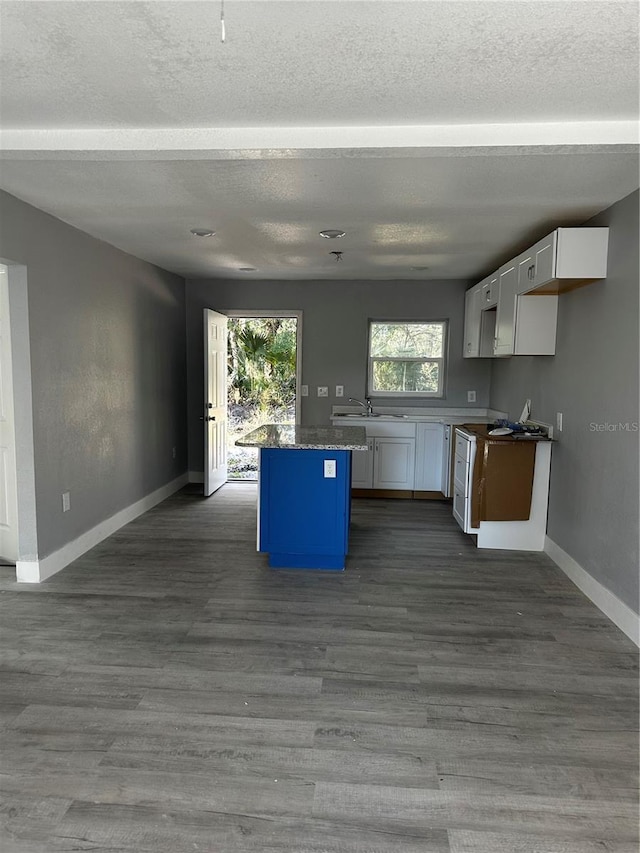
(612, 606)
(196, 476)
(35, 571)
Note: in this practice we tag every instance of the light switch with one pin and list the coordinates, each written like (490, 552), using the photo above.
(304, 390)
(471, 396)
(323, 390)
(66, 502)
(329, 467)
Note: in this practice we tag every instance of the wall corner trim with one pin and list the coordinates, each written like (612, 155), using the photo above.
(36, 571)
(612, 606)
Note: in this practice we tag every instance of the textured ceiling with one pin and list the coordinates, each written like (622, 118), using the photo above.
(436, 133)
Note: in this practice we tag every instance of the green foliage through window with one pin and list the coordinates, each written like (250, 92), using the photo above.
(407, 358)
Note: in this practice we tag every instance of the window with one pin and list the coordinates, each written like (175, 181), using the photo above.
(407, 359)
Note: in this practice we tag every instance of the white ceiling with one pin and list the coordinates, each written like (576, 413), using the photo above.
(435, 133)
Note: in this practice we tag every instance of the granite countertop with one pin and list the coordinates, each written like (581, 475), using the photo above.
(292, 437)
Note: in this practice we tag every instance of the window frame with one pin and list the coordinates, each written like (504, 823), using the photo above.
(441, 361)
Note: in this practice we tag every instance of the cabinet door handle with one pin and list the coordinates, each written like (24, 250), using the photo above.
(531, 272)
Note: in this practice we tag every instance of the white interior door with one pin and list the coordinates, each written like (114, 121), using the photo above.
(215, 401)
(8, 483)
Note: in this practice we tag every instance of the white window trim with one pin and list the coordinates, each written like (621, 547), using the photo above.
(442, 361)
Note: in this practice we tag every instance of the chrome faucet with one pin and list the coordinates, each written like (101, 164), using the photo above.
(366, 406)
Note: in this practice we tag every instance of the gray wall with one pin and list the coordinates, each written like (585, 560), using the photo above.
(592, 380)
(108, 366)
(335, 328)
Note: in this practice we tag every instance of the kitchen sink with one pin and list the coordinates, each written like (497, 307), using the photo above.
(370, 415)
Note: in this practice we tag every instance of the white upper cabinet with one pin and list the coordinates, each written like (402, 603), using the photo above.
(472, 309)
(489, 291)
(480, 318)
(506, 313)
(526, 288)
(565, 259)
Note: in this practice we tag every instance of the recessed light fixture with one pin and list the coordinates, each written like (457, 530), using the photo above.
(247, 269)
(202, 232)
(332, 233)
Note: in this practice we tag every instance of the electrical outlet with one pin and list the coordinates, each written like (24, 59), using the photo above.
(304, 390)
(471, 396)
(330, 468)
(559, 421)
(323, 390)
(66, 501)
(339, 390)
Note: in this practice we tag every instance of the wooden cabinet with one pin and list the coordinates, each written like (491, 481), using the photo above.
(429, 457)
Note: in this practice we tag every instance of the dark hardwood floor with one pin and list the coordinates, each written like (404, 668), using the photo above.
(169, 693)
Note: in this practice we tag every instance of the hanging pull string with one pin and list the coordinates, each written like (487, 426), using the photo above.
(223, 32)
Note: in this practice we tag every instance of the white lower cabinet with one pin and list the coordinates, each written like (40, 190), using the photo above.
(429, 457)
(394, 463)
(389, 462)
(362, 467)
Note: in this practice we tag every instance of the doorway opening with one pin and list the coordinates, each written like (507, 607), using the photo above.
(263, 368)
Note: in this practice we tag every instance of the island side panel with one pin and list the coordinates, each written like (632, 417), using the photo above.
(304, 514)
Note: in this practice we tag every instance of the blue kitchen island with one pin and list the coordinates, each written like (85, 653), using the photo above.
(304, 493)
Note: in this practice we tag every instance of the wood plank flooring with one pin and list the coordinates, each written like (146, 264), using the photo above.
(169, 692)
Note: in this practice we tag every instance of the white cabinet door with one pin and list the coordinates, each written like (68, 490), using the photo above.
(447, 442)
(526, 271)
(394, 463)
(429, 456)
(505, 317)
(536, 320)
(472, 317)
(362, 467)
(544, 256)
(490, 291)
